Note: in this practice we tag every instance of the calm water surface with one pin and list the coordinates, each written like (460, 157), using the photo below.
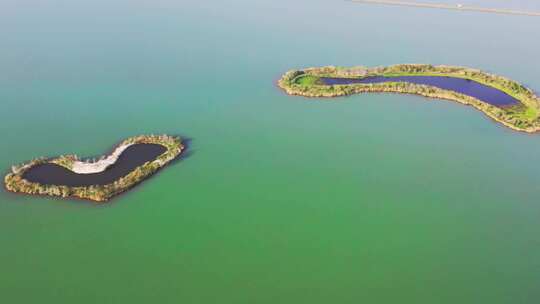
(131, 158)
(464, 86)
(375, 198)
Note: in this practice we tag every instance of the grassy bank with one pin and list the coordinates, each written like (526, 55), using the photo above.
(15, 182)
(522, 117)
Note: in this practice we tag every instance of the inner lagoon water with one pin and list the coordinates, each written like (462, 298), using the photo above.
(131, 158)
(377, 198)
(471, 88)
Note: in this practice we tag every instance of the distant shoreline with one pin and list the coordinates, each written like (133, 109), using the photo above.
(454, 7)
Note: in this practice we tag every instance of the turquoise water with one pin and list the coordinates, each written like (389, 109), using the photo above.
(370, 198)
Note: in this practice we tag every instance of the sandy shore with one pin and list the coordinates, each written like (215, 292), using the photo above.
(82, 167)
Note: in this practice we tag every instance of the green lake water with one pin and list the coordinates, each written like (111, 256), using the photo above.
(367, 199)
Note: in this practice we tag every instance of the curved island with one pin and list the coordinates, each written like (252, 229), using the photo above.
(132, 161)
(502, 99)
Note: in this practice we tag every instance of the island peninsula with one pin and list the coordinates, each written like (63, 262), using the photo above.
(132, 161)
(500, 98)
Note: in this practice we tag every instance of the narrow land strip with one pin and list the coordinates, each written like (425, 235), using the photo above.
(456, 7)
(522, 116)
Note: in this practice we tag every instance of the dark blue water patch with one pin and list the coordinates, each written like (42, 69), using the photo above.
(468, 87)
(131, 158)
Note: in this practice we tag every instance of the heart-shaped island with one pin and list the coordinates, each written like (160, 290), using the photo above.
(132, 161)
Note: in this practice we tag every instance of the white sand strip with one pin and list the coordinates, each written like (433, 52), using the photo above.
(82, 167)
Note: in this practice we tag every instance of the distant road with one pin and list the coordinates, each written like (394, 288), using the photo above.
(456, 7)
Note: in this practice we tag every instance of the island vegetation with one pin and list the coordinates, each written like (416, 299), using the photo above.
(524, 116)
(14, 181)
